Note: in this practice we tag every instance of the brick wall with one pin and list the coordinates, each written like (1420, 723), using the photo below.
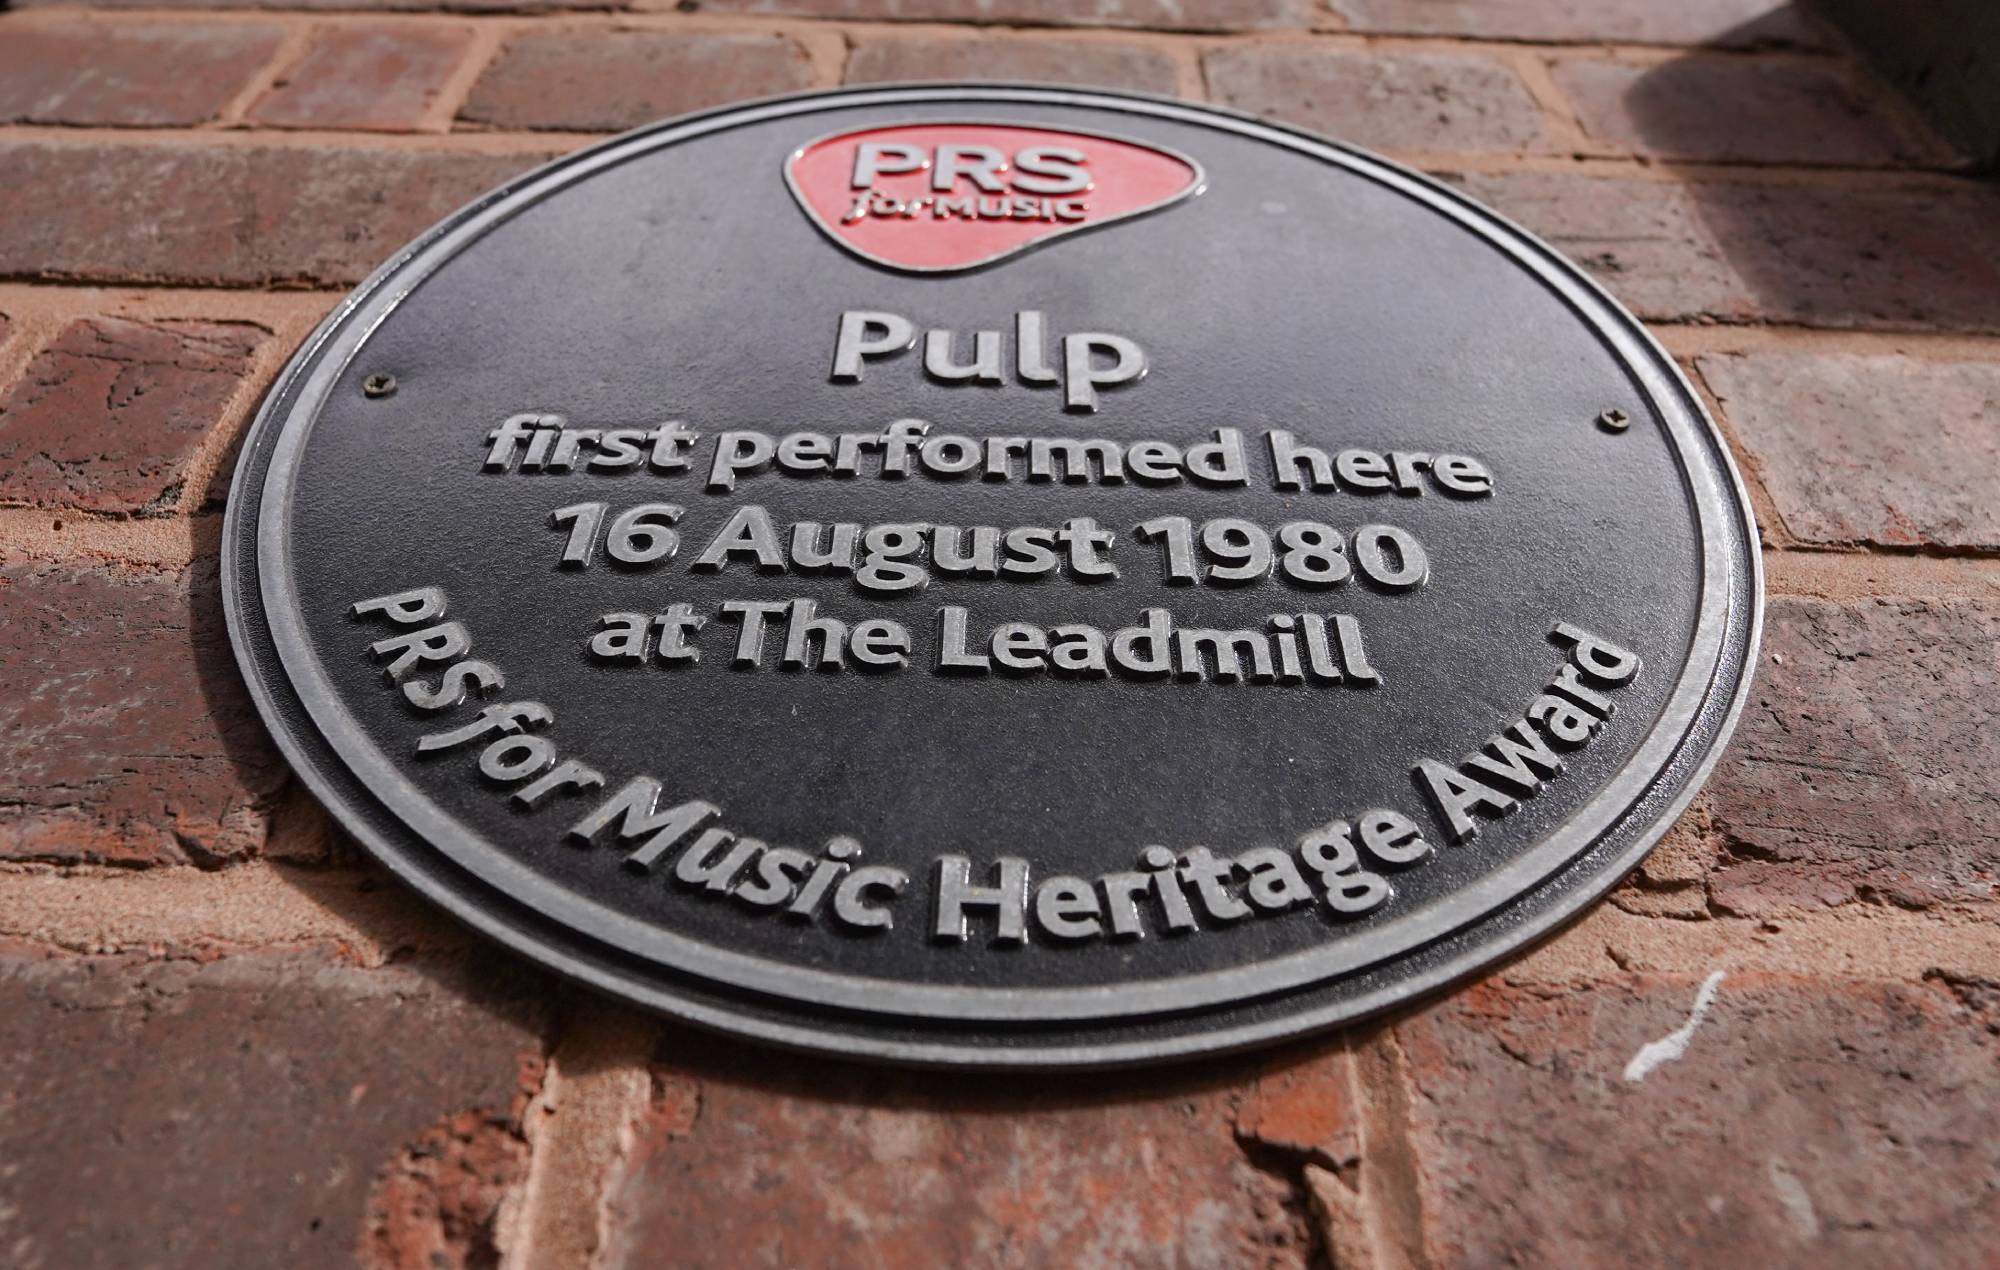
(229, 1040)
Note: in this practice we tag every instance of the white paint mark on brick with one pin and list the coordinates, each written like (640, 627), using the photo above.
(1792, 1194)
(1675, 1043)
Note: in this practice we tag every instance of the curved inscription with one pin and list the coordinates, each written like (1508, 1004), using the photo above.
(837, 622)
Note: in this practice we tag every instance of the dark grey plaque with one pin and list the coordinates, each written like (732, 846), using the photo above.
(684, 565)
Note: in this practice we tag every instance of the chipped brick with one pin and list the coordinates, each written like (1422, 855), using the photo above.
(839, 1166)
(438, 1201)
(1303, 1106)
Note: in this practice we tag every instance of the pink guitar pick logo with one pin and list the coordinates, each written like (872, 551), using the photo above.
(941, 197)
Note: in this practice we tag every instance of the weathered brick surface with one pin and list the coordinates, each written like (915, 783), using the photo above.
(126, 736)
(282, 1107)
(1883, 450)
(236, 215)
(257, 1111)
(1647, 242)
(1732, 108)
(1298, 1107)
(1731, 23)
(607, 81)
(1833, 255)
(1095, 62)
(1437, 102)
(103, 73)
(109, 415)
(1171, 15)
(1808, 1123)
(1866, 765)
(380, 78)
(1914, 255)
(1672, 881)
(419, 6)
(830, 1165)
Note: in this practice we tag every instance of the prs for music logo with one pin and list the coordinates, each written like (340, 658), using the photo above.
(942, 197)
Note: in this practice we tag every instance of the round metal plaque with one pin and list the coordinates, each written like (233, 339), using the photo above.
(993, 575)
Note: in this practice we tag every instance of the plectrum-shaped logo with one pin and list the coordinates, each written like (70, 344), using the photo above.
(941, 197)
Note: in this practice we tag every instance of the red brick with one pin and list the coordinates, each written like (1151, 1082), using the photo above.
(1647, 242)
(755, 1159)
(345, 6)
(379, 78)
(1807, 1123)
(1166, 15)
(607, 81)
(107, 417)
(1866, 765)
(260, 1110)
(1672, 881)
(156, 74)
(1830, 255)
(1094, 63)
(1895, 254)
(125, 734)
(234, 215)
(1302, 1107)
(1885, 450)
(1978, 994)
(1737, 109)
(1439, 102)
(1731, 23)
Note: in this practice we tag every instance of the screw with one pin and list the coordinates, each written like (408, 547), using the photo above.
(1612, 420)
(379, 385)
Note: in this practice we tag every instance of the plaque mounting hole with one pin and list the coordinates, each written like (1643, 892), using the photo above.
(379, 385)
